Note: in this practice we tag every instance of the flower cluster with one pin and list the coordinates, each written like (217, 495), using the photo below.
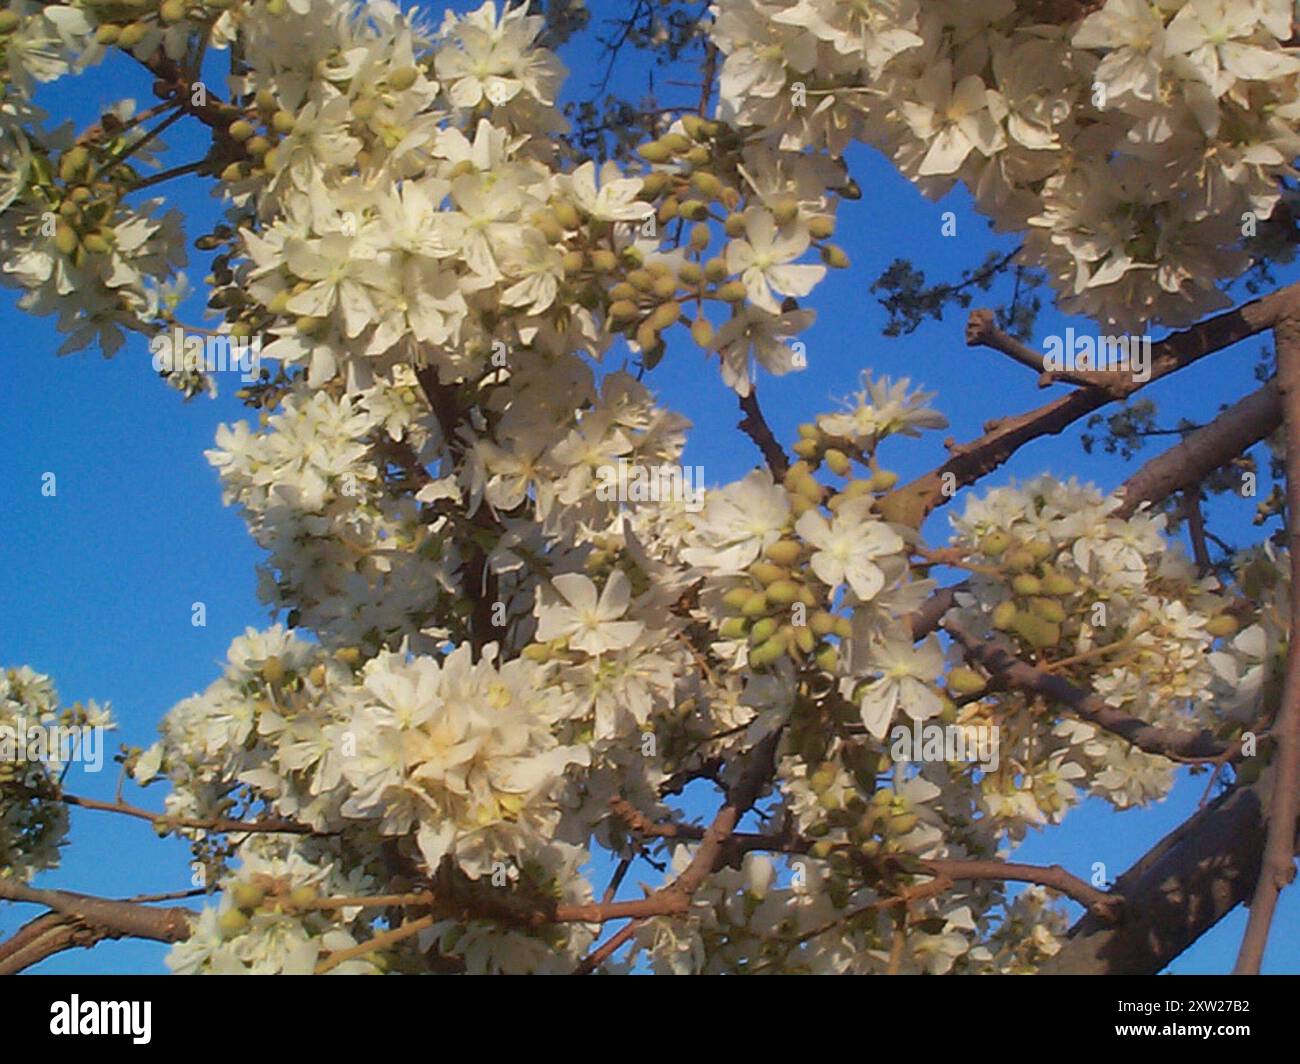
(509, 671)
(1134, 147)
(37, 736)
(1105, 602)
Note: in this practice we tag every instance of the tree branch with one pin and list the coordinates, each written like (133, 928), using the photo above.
(967, 463)
(755, 426)
(1168, 742)
(1106, 905)
(1203, 451)
(217, 824)
(82, 920)
(1180, 889)
(982, 331)
(1279, 848)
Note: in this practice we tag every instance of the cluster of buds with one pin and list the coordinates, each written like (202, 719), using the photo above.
(698, 181)
(816, 447)
(1036, 610)
(780, 610)
(125, 23)
(265, 894)
(277, 676)
(856, 827)
(84, 205)
(251, 138)
(646, 302)
(607, 555)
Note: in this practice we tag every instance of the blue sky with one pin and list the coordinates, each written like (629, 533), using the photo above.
(97, 583)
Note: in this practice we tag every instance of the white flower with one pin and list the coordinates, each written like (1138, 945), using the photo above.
(953, 120)
(848, 546)
(737, 523)
(757, 334)
(883, 408)
(906, 682)
(763, 260)
(1133, 32)
(1214, 35)
(617, 199)
(589, 624)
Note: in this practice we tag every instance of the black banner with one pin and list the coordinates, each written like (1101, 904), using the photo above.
(152, 1013)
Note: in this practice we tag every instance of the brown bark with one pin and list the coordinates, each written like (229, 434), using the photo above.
(968, 462)
(1210, 447)
(1279, 848)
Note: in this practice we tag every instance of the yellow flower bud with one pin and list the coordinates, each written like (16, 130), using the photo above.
(995, 542)
(1026, 584)
(1019, 559)
(1058, 584)
(708, 184)
(834, 257)
(822, 623)
(623, 310)
(766, 573)
(1222, 626)
(964, 681)
(784, 552)
(247, 896)
(653, 184)
(567, 214)
(1004, 613)
(785, 211)
(733, 628)
(821, 226)
(273, 670)
(646, 336)
(132, 35)
(838, 462)
(665, 315)
(737, 597)
(65, 238)
(1048, 609)
(783, 592)
(664, 286)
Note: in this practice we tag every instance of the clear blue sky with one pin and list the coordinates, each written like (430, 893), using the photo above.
(96, 584)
